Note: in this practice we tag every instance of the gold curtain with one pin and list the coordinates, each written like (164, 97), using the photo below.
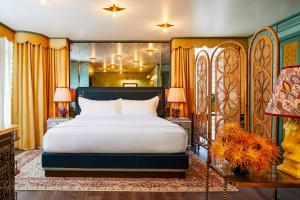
(29, 93)
(38, 70)
(58, 70)
(183, 75)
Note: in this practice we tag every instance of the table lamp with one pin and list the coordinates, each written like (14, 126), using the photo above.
(285, 102)
(176, 95)
(62, 96)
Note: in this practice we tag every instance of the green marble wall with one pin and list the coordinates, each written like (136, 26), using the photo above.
(84, 74)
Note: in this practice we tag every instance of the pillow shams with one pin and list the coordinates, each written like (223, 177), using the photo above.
(99, 108)
(139, 108)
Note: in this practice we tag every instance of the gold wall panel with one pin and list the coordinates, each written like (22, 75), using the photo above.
(290, 54)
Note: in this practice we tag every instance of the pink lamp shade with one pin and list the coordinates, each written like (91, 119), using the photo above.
(285, 99)
(176, 95)
(62, 94)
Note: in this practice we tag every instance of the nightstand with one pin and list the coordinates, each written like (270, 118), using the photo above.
(185, 123)
(55, 120)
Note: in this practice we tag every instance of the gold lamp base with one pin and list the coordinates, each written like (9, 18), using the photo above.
(290, 167)
(291, 163)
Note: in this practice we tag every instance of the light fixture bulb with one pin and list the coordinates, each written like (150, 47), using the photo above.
(114, 14)
(45, 1)
(165, 30)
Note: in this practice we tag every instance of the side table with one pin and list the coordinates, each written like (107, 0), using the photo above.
(51, 122)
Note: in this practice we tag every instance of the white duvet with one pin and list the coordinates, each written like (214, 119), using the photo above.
(115, 135)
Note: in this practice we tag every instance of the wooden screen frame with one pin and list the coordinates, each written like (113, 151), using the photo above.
(261, 34)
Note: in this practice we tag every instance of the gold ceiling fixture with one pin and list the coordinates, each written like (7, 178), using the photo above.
(150, 51)
(45, 1)
(93, 59)
(114, 9)
(119, 56)
(165, 26)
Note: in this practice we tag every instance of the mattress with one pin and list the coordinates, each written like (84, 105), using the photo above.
(118, 134)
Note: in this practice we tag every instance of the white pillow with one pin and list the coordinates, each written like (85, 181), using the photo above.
(139, 107)
(99, 108)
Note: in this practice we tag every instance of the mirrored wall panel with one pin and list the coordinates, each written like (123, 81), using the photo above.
(120, 65)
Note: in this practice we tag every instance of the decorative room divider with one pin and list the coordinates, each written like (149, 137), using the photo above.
(234, 87)
(263, 55)
(203, 97)
(228, 61)
(219, 78)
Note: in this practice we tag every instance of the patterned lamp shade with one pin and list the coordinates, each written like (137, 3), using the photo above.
(62, 94)
(176, 95)
(285, 100)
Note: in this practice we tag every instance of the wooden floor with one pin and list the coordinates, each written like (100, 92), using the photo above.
(243, 194)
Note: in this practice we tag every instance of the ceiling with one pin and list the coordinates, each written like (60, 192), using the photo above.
(86, 20)
(127, 57)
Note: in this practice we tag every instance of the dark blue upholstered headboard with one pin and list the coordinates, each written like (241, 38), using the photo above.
(113, 93)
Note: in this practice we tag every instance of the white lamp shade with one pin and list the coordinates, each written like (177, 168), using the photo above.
(62, 95)
(176, 95)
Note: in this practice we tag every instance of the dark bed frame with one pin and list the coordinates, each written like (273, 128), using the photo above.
(172, 165)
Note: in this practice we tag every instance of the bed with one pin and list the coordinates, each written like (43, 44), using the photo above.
(122, 146)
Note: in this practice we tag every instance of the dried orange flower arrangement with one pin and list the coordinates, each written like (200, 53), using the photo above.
(249, 152)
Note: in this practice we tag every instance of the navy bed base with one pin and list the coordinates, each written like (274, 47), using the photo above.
(66, 164)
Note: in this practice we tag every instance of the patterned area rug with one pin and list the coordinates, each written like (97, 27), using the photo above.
(32, 177)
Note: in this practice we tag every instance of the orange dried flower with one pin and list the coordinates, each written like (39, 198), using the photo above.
(249, 151)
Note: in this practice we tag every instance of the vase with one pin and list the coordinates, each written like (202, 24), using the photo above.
(238, 171)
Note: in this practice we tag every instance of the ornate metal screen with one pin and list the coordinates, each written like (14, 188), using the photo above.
(203, 74)
(263, 71)
(227, 60)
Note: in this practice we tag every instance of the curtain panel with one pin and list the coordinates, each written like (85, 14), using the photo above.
(58, 73)
(6, 51)
(29, 93)
(183, 75)
(38, 70)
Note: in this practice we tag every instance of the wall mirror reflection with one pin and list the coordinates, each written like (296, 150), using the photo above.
(120, 65)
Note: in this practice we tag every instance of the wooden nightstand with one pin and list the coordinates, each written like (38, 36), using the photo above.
(55, 120)
(185, 123)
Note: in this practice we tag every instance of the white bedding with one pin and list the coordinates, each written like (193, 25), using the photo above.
(115, 135)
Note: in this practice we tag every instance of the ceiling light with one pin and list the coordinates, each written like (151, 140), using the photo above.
(141, 69)
(119, 56)
(45, 1)
(165, 26)
(120, 71)
(150, 51)
(114, 9)
(93, 59)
